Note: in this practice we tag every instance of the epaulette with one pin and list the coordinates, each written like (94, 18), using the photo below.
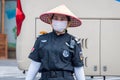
(78, 40)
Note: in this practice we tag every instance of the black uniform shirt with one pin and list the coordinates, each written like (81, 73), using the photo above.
(55, 54)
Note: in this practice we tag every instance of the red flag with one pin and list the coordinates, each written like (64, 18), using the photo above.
(19, 17)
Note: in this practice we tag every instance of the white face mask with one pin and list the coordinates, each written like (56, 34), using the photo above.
(59, 25)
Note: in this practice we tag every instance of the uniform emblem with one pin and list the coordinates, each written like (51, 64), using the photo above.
(72, 44)
(43, 40)
(66, 53)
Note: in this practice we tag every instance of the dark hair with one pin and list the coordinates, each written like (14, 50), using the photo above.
(68, 17)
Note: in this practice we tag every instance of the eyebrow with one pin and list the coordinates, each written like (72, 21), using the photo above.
(64, 17)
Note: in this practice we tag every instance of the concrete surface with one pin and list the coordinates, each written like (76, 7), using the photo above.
(9, 71)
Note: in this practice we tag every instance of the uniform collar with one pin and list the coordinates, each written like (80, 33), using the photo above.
(54, 32)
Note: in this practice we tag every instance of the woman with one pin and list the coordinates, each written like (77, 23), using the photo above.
(56, 55)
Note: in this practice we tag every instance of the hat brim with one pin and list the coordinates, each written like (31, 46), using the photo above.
(75, 22)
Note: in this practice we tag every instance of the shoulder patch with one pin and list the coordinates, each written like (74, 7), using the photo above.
(32, 49)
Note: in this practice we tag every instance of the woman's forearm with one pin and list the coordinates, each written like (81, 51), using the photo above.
(79, 73)
(33, 70)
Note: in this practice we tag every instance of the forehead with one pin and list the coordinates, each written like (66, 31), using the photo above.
(59, 15)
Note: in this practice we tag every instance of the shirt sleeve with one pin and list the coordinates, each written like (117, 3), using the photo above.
(77, 59)
(34, 55)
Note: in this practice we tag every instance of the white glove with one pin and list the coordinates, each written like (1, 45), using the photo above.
(79, 73)
(33, 70)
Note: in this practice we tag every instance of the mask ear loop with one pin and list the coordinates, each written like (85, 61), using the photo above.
(68, 25)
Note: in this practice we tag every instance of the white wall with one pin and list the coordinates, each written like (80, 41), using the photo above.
(81, 8)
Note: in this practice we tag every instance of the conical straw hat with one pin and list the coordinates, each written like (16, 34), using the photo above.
(62, 9)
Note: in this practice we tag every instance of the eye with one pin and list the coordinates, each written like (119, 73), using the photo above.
(55, 18)
(63, 19)
(60, 18)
